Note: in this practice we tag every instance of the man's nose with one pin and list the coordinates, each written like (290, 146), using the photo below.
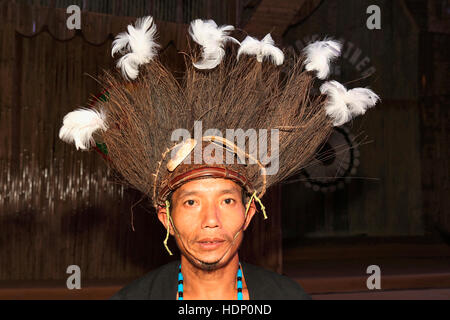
(210, 213)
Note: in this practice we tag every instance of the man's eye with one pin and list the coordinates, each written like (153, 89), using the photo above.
(190, 202)
(229, 201)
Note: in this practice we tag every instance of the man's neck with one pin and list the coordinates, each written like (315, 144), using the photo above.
(216, 284)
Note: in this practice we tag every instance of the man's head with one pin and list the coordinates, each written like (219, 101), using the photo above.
(209, 218)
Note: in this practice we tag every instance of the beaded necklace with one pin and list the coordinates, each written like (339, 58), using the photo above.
(238, 278)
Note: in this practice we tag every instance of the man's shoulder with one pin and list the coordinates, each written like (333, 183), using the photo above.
(269, 285)
(156, 284)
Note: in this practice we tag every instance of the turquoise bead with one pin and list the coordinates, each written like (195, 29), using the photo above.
(239, 283)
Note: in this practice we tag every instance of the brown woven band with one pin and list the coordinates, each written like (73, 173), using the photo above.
(199, 173)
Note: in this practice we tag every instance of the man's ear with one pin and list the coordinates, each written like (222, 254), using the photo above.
(162, 216)
(251, 212)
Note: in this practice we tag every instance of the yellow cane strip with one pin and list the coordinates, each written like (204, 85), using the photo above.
(262, 206)
(260, 203)
(168, 227)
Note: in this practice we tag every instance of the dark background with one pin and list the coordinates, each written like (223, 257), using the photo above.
(59, 207)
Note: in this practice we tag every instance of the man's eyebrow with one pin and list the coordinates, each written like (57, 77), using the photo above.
(228, 191)
(189, 193)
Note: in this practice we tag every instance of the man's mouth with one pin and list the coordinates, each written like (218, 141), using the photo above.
(210, 243)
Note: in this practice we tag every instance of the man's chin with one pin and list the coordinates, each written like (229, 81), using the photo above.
(209, 266)
(208, 263)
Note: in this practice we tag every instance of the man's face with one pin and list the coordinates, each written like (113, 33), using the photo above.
(210, 219)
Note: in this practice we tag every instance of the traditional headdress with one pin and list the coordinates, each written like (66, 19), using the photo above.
(227, 85)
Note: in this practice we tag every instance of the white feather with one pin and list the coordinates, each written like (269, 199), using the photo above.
(79, 125)
(263, 48)
(361, 99)
(344, 105)
(319, 55)
(212, 39)
(140, 44)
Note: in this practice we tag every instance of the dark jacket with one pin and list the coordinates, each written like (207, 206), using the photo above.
(161, 284)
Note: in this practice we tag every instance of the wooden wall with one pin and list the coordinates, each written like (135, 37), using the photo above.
(180, 11)
(390, 201)
(385, 197)
(434, 68)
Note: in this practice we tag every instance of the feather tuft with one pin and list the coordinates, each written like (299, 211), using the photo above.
(263, 48)
(140, 44)
(319, 54)
(212, 39)
(344, 105)
(79, 126)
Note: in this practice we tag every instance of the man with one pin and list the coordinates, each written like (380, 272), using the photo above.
(208, 217)
(206, 188)
(207, 214)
